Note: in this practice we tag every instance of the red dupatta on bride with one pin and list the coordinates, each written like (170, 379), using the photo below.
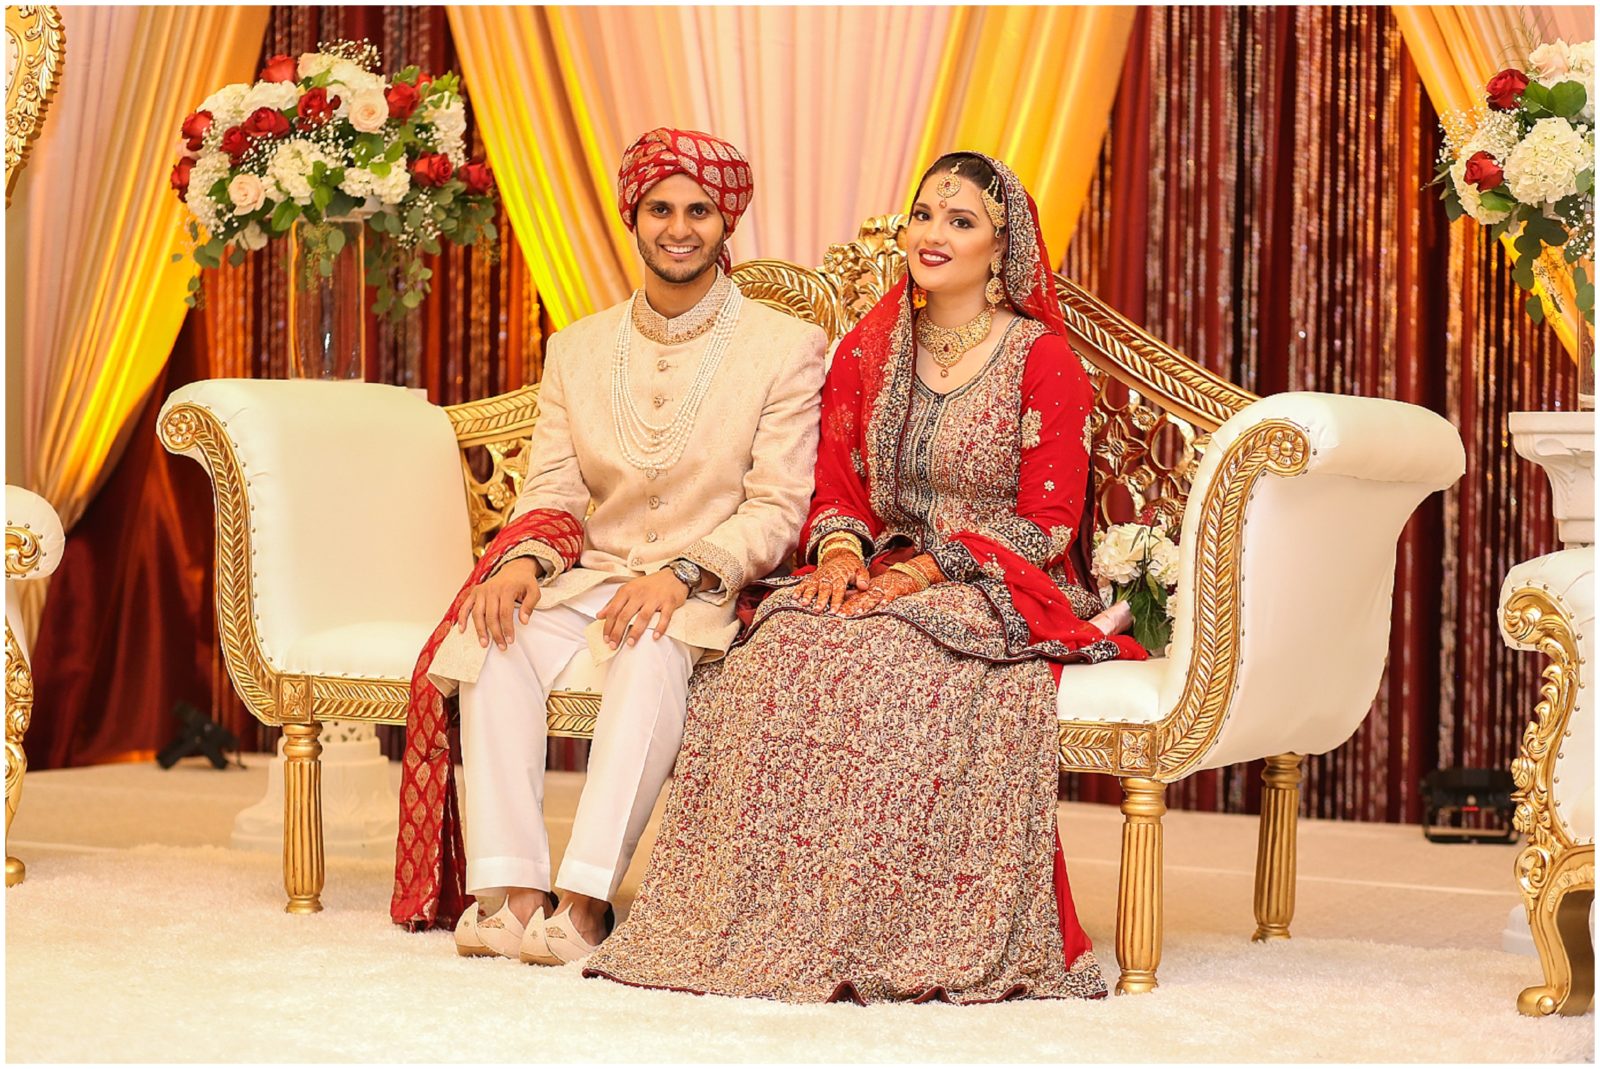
(430, 859)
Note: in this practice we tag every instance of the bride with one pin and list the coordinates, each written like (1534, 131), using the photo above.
(864, 804)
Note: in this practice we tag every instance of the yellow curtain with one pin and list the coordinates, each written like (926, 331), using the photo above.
(93, 299)
(1457, 49)
(838, 109)
(1032, 86)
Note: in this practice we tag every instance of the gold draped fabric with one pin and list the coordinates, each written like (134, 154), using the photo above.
(1032, 86)
(1457, 49)
(93, 299)
(559, 92)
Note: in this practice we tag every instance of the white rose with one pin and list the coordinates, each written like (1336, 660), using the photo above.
(1471, 201)
(1164, 563)
(369, 111)
(1549, 63)
(314, 63)
(1118, 554)
(393, 187)
(252, 237)
(278, 96)
(290, 168)
(1545, 165)
(247, 193)
(226, 106)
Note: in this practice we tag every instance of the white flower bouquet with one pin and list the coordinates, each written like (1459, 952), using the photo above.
(323, 139)
(1523, 164)
(1138, 562)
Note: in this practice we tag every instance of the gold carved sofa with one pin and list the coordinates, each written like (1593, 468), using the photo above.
(1270, 657)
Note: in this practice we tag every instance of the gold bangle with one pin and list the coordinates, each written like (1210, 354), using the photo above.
(840, 540)
(910, 570)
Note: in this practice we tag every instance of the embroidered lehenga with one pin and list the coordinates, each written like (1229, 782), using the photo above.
(864, 807)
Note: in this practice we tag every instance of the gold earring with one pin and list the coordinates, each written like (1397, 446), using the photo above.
(995, 291)
(919, 297)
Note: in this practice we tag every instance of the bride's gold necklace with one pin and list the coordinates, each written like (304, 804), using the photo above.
(947, 345)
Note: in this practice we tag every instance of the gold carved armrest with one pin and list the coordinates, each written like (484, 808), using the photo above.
(35, 47)
(500, 426)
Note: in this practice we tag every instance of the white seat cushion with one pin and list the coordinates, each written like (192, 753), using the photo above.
(376, 649)
(1121, 691)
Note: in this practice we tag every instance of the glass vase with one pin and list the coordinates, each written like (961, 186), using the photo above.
(327, 300)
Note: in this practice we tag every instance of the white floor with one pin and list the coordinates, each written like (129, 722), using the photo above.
(139, 936)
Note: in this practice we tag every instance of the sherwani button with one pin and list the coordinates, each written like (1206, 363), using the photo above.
(651, 536)
(662, 365)
(655, 502)
(658, 401)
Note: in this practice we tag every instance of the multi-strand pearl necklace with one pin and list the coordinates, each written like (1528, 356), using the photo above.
(645, 445)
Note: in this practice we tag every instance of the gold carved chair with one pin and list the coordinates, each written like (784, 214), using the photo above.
(1251, 673)
(1547, 606)
(35, 48)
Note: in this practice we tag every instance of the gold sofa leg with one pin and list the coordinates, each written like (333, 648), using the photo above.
(1559, 917)
(1139, 889)
(302, 817)
(19, 710)
(1275, 850)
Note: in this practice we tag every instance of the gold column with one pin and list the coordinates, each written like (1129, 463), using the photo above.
(1275, 850)
(302, 817)
(1139, 889)
(19, 710)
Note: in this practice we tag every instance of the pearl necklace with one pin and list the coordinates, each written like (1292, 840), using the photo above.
(647, 446)
(947, 345)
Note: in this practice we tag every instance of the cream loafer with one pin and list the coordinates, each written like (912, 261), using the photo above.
(562, 944)
(468, 943)
(502, 933)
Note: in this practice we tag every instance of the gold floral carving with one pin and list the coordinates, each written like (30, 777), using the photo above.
(36, 40)
(23, 551)
(571, 714)
(1553, 865)
(19, 712)
(500, 426)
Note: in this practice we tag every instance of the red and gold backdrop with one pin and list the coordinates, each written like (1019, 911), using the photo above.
(1257, 200)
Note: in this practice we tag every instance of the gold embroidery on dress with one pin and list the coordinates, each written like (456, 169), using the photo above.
(688, 326)
(1032, 424)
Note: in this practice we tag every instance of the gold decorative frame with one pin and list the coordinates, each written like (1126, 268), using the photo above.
(1554, 872)
(23, 552)
(36, 35)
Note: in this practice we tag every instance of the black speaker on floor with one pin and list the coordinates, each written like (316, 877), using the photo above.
(1468, 805)
(199, 735)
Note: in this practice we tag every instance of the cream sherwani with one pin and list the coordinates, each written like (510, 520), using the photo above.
(733, 504)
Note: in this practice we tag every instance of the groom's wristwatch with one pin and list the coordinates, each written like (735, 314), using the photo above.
(687, 573)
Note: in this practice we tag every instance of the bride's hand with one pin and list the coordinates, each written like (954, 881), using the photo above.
(826, 587)
(879, 592)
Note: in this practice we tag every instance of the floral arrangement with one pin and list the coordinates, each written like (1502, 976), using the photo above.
(1139, 561)
(1523, 164)
(322, 139)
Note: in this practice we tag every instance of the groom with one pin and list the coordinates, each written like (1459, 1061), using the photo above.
(688, 416)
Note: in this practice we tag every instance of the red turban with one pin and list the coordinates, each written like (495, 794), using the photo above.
(721, 170)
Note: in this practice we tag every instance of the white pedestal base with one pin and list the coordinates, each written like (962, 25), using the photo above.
(360, 810)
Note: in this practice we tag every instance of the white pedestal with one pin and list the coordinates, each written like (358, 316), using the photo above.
(360, 810)
(1562, 443)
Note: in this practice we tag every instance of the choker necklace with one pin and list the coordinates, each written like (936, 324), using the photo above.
(947, 345)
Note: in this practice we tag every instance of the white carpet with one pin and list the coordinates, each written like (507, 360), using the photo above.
(182, 953)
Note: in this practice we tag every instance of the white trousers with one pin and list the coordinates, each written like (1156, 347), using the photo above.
(503, 741)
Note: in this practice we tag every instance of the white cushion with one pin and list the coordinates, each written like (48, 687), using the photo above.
(24, 508)
(1568, 577)
(358, 518)
(1123, 691)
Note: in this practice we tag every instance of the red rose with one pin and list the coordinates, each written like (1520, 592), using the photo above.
(424, 80)
(266, 122)
(195, 127)
(180, 177)
(235, 142)
(316, 108)
(478, 177)
(403, 100)
(1505, 88)
(432, 169)
(1483, 172)
(279, 69)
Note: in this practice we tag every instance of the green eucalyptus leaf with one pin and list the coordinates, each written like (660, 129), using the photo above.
(1496, 201)
(1535, 307)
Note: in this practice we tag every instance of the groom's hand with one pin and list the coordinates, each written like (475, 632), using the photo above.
(493, 602)
(638, 601)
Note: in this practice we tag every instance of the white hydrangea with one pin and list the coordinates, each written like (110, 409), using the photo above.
(346, 75)
(1164, 563)
(278, 96)
(226, 106)
(393, 187)
(1120, 550)
(290, 167)
(1545, 166)
(1471, 201)
(358, 182)
(450, 129)
(207, 169)
(314, 63)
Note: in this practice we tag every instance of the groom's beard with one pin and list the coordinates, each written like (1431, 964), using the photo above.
(679, 273)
